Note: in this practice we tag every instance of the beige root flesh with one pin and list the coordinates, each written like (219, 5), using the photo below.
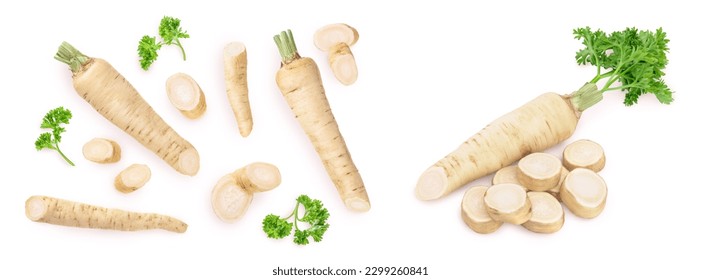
(584, 154)
(101, 150)
(236, 78)
(539, 171)
(336, 39)
(233, 193)
(74, 214)
(474, 212)
(547, 213)
(186, 95)
(584, 193)
(132, 178)
(507, 203)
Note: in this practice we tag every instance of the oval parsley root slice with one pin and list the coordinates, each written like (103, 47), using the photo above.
(300, 83)
(186, 95)
(96, 81)
(631, 61)
(57, 211)
(474, 212)
(236, 78)
(507, 203)
(232, 194)
(584, 154)
(584, 193)
(556, 190)
(101, 150)
(547, 214)
(508, 174)
(539, 171)
(132, 178)
(336, 39)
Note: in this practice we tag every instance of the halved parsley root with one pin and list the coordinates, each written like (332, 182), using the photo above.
(186, 95)
(232, 194)
(300, 83)
(336, 39)
(96, 81)
(584, 193)
(63, 212)
(236, 78)
(634, 59)
(507, 203)
(508, 174)
(132, 178)
(474, 212)
(547, 214)
(539, 171)
(101, 150)
(584, 154)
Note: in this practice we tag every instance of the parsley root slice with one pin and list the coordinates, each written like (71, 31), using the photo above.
(101, 150)
(132, 178)
(539, 171)
(474, 212)
(111, 95)
(186, 95)
(584, 154)
(62, 212)
(630, 61)
(547, 215)
(236, 78)
(336, 39)
(300, 83)
(233, 193)
(584, 193)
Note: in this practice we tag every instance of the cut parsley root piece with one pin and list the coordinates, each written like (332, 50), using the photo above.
(631, 61)
(186, 95)
(584, 193)
(233, 193)
(547, 214)
(474, 212)
(507, 203)
(101, 150)
(556, 190)
(336, 39)
(132, 178)
(508, 174)
(584, 154)
(236, 79)
(539, 171)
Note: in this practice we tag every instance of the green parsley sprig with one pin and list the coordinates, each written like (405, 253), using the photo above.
(632, 58)
(314, 214)
(53, 120)
(171, 33)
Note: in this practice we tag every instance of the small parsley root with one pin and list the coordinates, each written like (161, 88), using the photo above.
(539, 171)
(336, 39)
(507, 203)
(631, 61)
(236, 78)
(101, 150)
(186, 95)
(584, 154)
(584, 193)
(300, 83)
(232, 194)
(111, 95)
(53, 120)
(62, 212)
(315, 215)
(474, 211)
(132, 178)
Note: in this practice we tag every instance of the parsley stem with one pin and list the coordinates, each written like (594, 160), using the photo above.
(587, 96)
(286, 46)
(177, 42)
(64, 156)
(71, 56)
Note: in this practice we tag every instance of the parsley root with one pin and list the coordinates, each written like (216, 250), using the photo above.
(236, 78)
(336, 39)
(630, 61)
(547, 215)
(101, 150)
(96, 81)
(73, 214)
(584, 193)
(474, 211)
(584, 154)
(300, 83)
(132, 178)
(233, 193)
(186, 95)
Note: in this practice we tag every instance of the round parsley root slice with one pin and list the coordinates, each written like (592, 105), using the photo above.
(584, 154)
(132, 178)
(508, 174)
(474, 212)
(539, 171)
(507, 203)
(332, 34)
(233, 193)
(101, 150)
(336, 39)
(584, 193)
(547, 215)
(186, 95)
(556, 190)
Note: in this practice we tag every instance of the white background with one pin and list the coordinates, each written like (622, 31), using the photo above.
(432, 73)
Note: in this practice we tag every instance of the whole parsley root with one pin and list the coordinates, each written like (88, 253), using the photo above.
(171, 33)
(53, 120)
(630, 61)
(314, 214)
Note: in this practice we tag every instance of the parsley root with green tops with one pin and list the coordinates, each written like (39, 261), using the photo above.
(300, 83)
(96, 81)
(630, 61)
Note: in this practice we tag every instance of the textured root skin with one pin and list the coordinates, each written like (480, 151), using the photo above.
(341, 58)
(236, 77)
(537, 125)
(118, 101)
(74, 214)
(116, 152)
(300, 84)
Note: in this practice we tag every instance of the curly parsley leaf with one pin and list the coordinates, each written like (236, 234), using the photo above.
(148, 51)
(53, 120)
(171, 32)
(315, 215)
